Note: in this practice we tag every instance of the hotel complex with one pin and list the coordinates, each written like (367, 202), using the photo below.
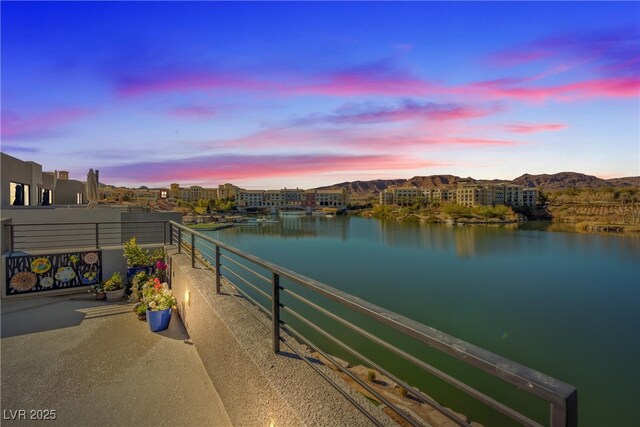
(286, 197)
(465, 194)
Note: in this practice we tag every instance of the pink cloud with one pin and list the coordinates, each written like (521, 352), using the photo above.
(358, 140)
(378, 78)
(15, 126)
(533, 128)
(622, 87)
(220, 168)
(193, 112)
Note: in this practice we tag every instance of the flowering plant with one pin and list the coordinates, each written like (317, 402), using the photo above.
(114, 283)
(97, 288)
(157, 296)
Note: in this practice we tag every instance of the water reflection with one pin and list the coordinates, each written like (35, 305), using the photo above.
(297, 227)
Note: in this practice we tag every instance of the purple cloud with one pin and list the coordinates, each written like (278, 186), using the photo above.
(365, 113)
(228, 167)
(15, 126)
(193, 112)
(613, 52)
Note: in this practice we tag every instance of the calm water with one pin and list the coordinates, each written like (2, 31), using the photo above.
(566, 304)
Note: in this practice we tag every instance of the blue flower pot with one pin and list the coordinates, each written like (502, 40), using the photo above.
(158, 320)
(132, 271)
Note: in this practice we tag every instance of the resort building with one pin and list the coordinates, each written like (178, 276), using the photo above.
(466, 194)
(292, 198)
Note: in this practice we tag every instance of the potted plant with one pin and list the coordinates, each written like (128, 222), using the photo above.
(138, 259)
(114, 287)
(138, 282)
(159, 301)
(159, 264)
(98, 291)
(141, 310)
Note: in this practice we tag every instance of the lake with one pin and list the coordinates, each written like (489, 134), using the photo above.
(566, 304)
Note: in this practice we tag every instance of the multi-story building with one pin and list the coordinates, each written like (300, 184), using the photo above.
(291, 198)
(530, 197)
(513, 195)
(227, 191)
(470, 195)
(332, 198)
(191, 194)
(467, 194)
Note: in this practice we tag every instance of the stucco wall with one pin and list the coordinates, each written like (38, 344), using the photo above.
(66, 192)
(18, 171)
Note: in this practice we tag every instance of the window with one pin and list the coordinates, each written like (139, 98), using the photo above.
(163, 194)
(79, 198)
(19, 194)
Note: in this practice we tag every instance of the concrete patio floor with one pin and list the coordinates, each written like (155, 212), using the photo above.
(95, 364)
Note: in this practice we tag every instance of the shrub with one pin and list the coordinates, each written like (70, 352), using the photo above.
(135, 255)
(371, 375)
(403, 392)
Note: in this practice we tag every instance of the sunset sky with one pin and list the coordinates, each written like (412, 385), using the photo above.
(271, 95)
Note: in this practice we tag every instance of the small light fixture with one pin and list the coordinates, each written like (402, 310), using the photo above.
(187, 297)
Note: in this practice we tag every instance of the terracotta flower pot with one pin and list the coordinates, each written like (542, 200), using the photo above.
(101, 295)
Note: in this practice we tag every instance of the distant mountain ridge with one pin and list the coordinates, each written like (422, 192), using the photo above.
(553, 182)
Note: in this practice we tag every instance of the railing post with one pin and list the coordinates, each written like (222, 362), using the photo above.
(217, 269)
(179, 240)
(97, 236)
(170, 234)
(12, 238)
(164, 233)
(193, 250)
(566, 415)
(275, 311)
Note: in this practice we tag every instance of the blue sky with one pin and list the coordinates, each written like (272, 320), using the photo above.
(309, 94)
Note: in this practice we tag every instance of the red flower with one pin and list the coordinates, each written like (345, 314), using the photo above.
(160, 265)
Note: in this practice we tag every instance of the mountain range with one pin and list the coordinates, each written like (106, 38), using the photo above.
(553, 182)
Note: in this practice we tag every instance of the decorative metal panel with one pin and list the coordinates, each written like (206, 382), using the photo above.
(40, 273)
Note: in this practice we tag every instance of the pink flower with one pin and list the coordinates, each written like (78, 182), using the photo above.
(160, 265)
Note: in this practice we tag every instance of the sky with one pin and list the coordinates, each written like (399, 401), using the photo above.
(273, 95)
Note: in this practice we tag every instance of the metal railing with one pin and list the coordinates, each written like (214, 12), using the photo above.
(214, 254)
(67, 235)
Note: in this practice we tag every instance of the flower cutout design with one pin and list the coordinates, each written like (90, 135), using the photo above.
(65, 274)
(40, 265)
(23, 281)
(46, 282)
(90, 258)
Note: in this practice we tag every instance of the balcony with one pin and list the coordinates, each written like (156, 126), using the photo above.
(255, 327)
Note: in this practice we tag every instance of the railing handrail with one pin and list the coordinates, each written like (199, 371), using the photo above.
(31, 224)
(552, 390)
(83, 229)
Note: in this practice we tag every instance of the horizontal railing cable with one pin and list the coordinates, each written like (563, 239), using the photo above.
(255, 273)
(246, 282)
(355, 403)
(420, 363)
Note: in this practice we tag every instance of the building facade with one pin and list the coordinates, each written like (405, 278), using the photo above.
(23, 183)
(465, 194)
